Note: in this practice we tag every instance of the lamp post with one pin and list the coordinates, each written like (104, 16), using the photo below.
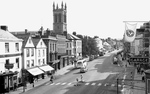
(23, 79)
(117, 86)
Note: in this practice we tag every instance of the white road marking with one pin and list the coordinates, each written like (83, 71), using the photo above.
(106, 84)
(113, 85)
(119, 85)
(52, 84)
(99, 84)
(87, 83)
(57, 84)
(63, 83)
(69, 83)
(93, 84)
(123, 86)
(124, 77)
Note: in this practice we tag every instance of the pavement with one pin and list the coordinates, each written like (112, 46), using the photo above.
(40, 82)
(138, 85)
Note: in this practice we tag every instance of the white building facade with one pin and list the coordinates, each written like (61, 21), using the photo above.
(10, 59)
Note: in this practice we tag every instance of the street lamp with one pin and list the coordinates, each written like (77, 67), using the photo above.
(23, 79)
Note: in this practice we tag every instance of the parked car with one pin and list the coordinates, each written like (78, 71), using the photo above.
(91, 57)
(83, 69)
(81, 63)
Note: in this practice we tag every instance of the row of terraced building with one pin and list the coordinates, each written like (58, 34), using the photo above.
(26, 55)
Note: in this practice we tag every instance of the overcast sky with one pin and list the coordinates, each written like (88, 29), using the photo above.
(103, 18)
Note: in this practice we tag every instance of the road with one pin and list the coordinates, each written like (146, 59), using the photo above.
(100, 79)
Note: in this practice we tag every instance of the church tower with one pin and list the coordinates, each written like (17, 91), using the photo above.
(59, 18)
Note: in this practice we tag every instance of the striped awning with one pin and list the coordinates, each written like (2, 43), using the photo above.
(35, 71)
(46, 68)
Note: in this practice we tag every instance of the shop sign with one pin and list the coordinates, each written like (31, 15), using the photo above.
(9, 66)
(139, 60)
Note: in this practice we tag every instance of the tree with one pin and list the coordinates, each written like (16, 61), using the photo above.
(74, 33)
(79, 36)
(96, 37)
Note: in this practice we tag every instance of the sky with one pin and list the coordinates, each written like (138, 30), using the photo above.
(103, 18)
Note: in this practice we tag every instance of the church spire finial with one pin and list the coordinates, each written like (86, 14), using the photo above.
(53, 5)
(65, 6)
(57, 6)
(62, 5)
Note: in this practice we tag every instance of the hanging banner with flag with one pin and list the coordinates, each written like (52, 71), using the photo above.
(130, 32)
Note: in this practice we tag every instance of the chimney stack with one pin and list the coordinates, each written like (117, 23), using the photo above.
(26, 30)
(4, 27)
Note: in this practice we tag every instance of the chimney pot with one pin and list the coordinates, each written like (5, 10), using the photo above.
(26, 30)
(4, 27)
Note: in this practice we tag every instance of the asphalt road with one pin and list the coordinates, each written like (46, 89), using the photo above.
(99, 79)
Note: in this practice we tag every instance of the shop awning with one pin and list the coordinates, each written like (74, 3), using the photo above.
(35, 71)
(46, 68)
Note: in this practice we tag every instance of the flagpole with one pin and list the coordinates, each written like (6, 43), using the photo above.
(135, 21)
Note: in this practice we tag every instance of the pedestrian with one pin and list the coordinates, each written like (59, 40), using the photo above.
(81, 78)
(15, 86)
(77, 81)
(51, 78)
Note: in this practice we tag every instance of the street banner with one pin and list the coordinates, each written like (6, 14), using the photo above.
(130, 32)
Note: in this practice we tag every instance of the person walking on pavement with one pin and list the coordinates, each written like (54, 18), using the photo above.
(51, 78)
(77, 81)
(82, 78)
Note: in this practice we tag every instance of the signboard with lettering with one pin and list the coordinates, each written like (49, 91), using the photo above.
(9, 66)
(139, 60)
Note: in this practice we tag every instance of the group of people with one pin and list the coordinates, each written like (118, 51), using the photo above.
(140, 70)
(80, 81)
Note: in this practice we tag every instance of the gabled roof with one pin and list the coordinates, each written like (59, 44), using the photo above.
(72, 37)
(7, 36)
(75, 37)
(69, 37)
(36, 41)
(25, 38)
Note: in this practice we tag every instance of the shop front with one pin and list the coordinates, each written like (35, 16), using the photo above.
(56, 64)
(47, 70)
(33, 75)
(8, 80)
